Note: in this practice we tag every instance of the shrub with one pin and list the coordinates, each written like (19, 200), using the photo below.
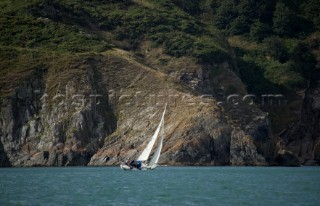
(284, 74)
(190, 6)
(207, 51)
(240, 25)
(274, 47)
(225, 14)
(259, 31)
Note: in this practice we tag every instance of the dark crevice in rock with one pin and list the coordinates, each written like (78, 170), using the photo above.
(102, 104)
(4, 160)
(286, 158)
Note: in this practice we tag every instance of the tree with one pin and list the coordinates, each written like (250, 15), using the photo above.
(312, 11)
(305, 62)
(240, 25)
(50, 9)
(259, 31)
(274, 47)
(225, 14)
(189, 6)
(282, 20)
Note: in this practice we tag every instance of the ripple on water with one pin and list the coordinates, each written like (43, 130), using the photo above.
(163, 186)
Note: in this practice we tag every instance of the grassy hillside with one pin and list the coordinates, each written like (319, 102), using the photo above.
(274, 47)
(82, 26)
(275, 41)
(34, 32)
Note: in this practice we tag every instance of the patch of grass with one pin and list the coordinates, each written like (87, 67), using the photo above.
(277, 65)
(164, 24)
(16, 66)
(74, 26)
(20, 27)
(282, 74)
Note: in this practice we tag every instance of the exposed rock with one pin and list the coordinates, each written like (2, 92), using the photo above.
(57, 159)
(243, 151)
(287, 158)
(73, 123)
(304, 137)
(197, 131)
(35, 123)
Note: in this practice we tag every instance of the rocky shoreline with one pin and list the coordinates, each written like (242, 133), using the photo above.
(84, 123)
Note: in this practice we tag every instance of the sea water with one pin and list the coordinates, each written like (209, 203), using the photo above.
(162, 186)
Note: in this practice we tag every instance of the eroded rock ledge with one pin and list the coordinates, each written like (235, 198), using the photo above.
(102, 109)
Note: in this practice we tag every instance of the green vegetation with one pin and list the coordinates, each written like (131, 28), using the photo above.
(22, 28)
(76, 26)
(39, 34)
(280, 63)
(282, 59)
(276, 43)
(274, 40)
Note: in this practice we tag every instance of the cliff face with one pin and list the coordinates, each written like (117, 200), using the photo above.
(104, 108)
(303, 138)
(52, 120)
(86, 86)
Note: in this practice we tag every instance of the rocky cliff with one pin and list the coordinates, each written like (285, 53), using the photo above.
(104, 108)
(85, 82)
(303, 137)
(54, 119)
(300, 141)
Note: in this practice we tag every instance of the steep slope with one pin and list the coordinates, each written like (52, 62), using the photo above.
(303, 137)
(197, 132)
(84, 82)
(277, 45)
(53, 112)
(63, 118)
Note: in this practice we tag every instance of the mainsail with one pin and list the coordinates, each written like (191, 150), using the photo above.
(146, 152)
(154, 160)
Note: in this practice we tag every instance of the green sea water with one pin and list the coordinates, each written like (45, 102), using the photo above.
(163, 186)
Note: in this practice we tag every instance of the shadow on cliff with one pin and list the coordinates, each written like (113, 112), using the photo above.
(4, 160)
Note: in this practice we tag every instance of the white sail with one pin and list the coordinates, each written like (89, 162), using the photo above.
(146, 152)
(154, 160)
